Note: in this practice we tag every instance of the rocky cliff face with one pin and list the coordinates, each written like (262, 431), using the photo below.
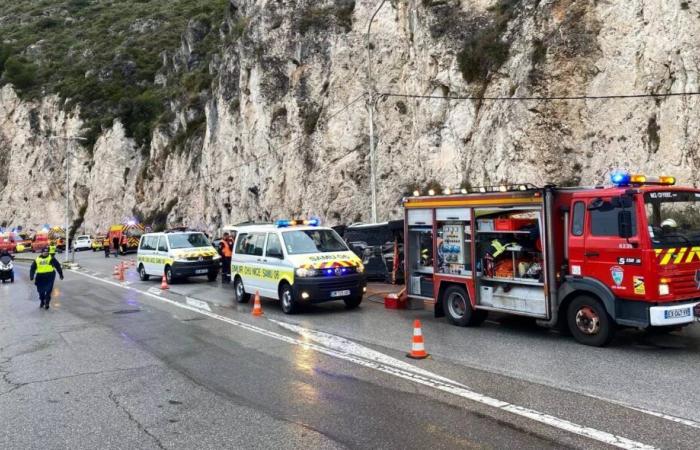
(282, 130)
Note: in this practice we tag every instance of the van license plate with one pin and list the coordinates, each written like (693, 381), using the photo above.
(677, 313)
(340, 293)
(201, 271)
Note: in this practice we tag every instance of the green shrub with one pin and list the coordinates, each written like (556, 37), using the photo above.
(322, 18)
(486, 50)
(5, 52)
(20, 72)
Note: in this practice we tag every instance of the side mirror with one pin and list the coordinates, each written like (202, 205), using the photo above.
(624, 224)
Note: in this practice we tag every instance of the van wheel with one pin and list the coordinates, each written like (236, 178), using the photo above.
(352, 303)
(239, 292)
(168, 275)
(458, 308)
(289, 305)
(589, 322)
(211, 276)
(142, 273)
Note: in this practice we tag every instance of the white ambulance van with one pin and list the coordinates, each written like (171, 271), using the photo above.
(296, 261)
(177, 255)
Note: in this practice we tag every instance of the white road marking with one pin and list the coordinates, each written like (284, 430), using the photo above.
(154, 291)
(346, 346)
(197, 303)
(681, 420)
(432, 380)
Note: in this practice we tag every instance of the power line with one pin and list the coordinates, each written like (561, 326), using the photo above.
(543, 98)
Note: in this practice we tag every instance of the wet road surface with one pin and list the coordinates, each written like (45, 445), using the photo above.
(113, 367)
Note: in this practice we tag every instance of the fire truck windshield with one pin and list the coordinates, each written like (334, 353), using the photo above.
(673, 218)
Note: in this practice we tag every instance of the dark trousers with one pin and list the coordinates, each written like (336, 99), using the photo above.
(225, 268)
(44, 285)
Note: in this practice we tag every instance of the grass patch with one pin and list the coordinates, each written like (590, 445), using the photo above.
(104, 56)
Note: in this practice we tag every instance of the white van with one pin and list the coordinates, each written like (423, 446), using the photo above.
(295, 262)
(178, 254)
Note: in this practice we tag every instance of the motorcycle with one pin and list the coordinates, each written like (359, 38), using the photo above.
(7, 270)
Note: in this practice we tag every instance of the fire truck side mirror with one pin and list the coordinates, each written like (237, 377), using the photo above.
(624, 224)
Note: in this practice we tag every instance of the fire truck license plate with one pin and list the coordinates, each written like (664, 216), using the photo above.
(340, 293)
(677, 313)
(201, 271)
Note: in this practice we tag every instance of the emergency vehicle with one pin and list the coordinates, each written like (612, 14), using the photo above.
(8, 241)
(176, 254)
(584, 259)
(295, 261)
(40, 242)
(57, 237)
(127, 235)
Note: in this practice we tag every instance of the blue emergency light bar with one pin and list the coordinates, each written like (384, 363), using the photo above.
(622, 178)
(284, 223)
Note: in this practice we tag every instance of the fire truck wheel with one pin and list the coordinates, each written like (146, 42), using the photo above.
(589, 322)
(239, 292)
(142, 273)
(458, 308)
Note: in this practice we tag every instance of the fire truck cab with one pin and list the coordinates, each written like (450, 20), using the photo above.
(125, 237)
(585, 260)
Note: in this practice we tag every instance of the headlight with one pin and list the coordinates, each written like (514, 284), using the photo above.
(303, 272)
(360, 268)
(216, 257)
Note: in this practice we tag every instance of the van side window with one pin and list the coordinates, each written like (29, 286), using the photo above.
(258, 245)
(250, 244)
(241, 243)
(162, 244)
(149, 243)
(604, 221)
(144, 244)
(577, 219)
(274, 248)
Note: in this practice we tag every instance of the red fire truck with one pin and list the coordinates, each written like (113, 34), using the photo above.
(587, 260)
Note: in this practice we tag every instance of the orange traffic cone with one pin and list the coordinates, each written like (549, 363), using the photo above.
(164, 283)
(257, 307)
(116, 271)
(417, 346)
(121, 272)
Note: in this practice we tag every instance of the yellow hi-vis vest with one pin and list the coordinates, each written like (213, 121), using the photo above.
(43, 265)
(52, 249)
(498, 247)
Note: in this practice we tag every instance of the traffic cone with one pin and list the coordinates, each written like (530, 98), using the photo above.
(116, 271)
(417, 346)
(121, 272)
(164, 283)
(257, 307)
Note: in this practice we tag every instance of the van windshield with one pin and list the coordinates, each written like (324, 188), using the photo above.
(191, 240)
(673, 218)
(313, 241)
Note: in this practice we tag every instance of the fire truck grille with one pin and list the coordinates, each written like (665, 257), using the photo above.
(683, 282)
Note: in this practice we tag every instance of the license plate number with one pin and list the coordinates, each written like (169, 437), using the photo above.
(340, 293)
(201, 271)
(677, 313)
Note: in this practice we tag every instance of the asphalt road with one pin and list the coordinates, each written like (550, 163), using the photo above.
(120, 366)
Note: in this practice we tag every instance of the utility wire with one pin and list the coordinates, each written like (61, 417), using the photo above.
(542, 98)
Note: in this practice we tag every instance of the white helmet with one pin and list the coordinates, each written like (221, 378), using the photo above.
(669, 223)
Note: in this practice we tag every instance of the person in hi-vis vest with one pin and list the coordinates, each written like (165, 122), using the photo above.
(44, 269)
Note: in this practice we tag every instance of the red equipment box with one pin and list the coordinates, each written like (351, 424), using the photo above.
(511, 224)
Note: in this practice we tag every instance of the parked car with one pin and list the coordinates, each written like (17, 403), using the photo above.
(83, 242)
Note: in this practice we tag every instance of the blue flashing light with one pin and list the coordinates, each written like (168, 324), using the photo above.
(314, 222)
(283, 223)
(620, 178)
